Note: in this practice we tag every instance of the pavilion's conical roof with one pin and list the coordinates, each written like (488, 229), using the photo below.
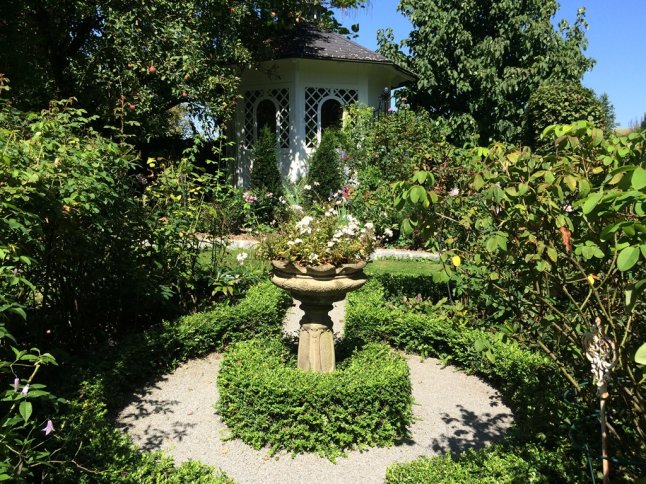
(306, 41)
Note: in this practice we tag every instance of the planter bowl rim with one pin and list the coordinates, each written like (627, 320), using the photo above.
(319, 270)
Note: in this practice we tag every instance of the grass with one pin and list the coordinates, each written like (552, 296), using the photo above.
(253, 262)
(409, 267)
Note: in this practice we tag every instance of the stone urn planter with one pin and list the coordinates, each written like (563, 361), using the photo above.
(317, 288)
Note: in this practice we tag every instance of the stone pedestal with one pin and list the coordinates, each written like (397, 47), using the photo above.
(317, 288)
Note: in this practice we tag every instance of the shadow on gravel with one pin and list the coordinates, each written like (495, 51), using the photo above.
(470, 430)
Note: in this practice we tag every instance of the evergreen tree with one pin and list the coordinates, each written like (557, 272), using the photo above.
(609, 110)
(265, 175)
(324, 174)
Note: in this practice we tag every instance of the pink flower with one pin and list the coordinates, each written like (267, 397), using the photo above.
(249, 197)
(49, 428)
(16, 384)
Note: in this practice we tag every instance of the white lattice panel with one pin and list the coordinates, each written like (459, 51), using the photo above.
(280, 97)
(313, 98)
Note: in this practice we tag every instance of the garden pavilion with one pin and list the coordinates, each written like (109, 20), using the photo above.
(305, 90)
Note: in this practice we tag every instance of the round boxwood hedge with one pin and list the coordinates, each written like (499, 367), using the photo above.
(266, 401)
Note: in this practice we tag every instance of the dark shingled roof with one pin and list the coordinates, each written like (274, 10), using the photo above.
(307, 41)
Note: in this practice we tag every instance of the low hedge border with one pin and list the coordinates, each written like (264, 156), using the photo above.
(98, 452)
(410, 285)
(530, 384)
(161, 349)
(495, 466)
(266, 401)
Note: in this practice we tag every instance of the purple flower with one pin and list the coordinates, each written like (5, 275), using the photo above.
(25, 389)
(16, 384)
(49, 428)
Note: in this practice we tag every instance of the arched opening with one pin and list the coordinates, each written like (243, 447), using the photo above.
(331, 114)
(266, 116)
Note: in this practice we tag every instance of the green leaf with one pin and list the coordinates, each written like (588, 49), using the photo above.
(417, 193)
(633, 293)
(25, 410)
(406, 227)
(592, 201)
(478, 182)
(628, 257)
(570, 181)
(638, 180)
(480, 345)
(552, 254)
(640, 356)
(420, 177)
(492, 244)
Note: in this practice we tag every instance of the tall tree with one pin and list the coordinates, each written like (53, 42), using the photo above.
(478, 61)
(131, 63)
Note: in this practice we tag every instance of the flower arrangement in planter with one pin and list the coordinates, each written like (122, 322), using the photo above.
(333, 237)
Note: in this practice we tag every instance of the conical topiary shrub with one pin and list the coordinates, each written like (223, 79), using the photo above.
(324, 174)
(265, 176)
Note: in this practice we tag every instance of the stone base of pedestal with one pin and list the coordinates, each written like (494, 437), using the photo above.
(316, 348)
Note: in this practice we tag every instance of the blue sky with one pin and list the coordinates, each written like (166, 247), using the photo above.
(616, 39)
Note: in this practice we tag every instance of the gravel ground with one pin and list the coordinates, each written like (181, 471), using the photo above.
(453, 411)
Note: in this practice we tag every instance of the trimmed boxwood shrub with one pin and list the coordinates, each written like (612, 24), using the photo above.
(98, 452)
(495, 466)
(561, 103)
(161, 349)
(266, 400)
(529, 381)
(530, 384)
(324, 172)
(410, 285)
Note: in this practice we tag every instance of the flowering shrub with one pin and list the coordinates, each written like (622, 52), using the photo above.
(333, 237)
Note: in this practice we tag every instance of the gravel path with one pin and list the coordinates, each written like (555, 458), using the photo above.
(453, 411)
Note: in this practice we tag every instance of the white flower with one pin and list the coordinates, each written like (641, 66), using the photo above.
(296, 208)
(307, 187)
(242, 256)
(298, 241)
(290, 242)
(313, 258)
(388, 233)
(330, 244)
(304, 225)
(316, 184)
(369, 226)
(454, 192)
